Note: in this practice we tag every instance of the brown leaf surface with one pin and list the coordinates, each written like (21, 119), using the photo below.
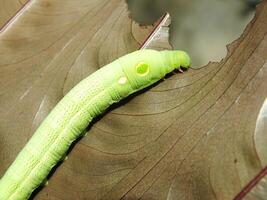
(9, 8)
(256, 188)
(49, 48)
(189, 137)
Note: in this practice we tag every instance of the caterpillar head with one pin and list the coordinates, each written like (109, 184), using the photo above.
(145, 67)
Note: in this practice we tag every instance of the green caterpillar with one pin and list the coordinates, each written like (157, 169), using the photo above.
(75, 111)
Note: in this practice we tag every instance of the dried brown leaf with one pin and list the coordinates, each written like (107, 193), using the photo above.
(189, 137)
(9, 8)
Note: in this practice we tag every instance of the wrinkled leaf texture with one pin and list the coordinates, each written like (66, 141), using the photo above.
(192, 136)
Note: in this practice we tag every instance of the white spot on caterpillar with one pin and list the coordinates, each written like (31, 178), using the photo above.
(122, 80)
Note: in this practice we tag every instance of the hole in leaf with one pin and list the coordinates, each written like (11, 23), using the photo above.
(202, 28)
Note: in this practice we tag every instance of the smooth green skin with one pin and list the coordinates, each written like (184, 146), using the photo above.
(66, 122)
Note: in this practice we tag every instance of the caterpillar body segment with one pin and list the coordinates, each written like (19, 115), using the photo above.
(70, 117)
